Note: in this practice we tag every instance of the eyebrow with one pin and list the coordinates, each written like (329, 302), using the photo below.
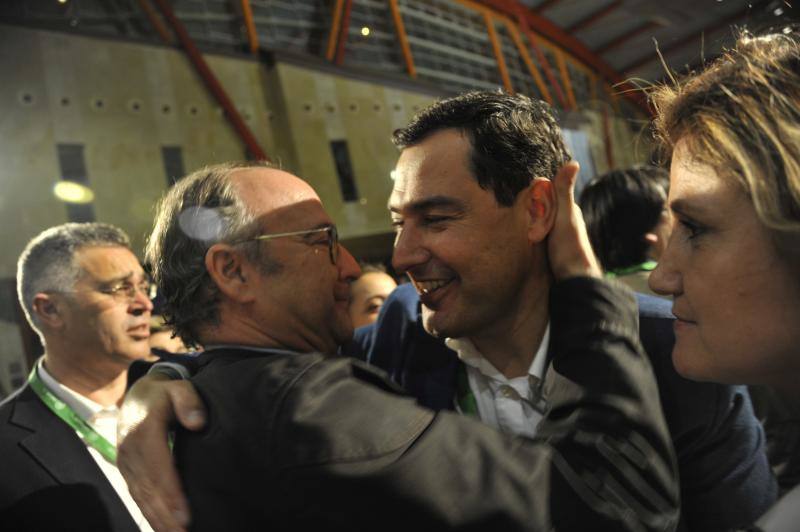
(121, 278)
(688, 208)
(434, 202)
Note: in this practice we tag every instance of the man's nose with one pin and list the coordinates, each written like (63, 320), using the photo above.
(409, 249)
(141, 301)
(348, 266)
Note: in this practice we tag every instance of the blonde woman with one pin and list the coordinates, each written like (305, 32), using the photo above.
(732, 263)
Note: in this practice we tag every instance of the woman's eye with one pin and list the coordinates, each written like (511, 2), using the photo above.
(693, 229)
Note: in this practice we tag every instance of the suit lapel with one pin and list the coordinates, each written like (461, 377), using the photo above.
(53, 445)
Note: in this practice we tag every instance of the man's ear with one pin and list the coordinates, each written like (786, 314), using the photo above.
(48, 310)
(231, 272)
(540, 205)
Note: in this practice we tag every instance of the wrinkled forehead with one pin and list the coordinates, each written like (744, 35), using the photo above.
(437, 166)
(107, 262)
(273, 195)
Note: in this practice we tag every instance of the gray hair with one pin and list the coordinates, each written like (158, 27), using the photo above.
(47, 263)
(200, 210)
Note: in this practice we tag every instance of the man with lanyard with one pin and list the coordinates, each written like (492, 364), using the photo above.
(85, 293)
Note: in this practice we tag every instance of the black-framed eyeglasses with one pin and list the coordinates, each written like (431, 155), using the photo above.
(333, 239)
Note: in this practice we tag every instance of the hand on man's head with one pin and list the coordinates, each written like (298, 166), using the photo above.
(568, 248)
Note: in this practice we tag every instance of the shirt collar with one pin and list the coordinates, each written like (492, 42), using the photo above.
(83, 406)
(469, 354)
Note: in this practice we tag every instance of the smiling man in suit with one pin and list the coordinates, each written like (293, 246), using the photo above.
(473, 332)
(85, 293)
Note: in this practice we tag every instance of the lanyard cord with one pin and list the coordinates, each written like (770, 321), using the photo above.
(68, 415)
(465, 399)
(647, 266)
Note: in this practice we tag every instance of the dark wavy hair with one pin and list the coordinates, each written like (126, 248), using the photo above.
(514, 138)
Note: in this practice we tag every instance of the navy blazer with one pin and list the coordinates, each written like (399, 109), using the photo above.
(725, 476)
(49, 481)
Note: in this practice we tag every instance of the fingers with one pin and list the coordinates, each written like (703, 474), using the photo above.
(565, 183)
(188, 406)
(145, 461)
(143, 454)
(569, 250)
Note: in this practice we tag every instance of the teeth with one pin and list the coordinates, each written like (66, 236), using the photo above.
(426, 287)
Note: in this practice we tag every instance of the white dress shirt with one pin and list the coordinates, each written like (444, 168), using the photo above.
(503, 403)
(104, 421)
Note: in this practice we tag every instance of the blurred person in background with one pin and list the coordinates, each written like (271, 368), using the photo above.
(628, 222)
(368, 292)
(85, 293)
(732, 264)
(163, 337)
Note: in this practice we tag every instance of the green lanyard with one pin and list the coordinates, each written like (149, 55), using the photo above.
(647, 266)
(68, 415)
(465, 399)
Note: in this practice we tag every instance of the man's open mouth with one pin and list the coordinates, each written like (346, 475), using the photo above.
(430, 286)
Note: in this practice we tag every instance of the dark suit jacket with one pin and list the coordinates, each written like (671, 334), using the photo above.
(300, 442)
(725, 477)
(48, 480)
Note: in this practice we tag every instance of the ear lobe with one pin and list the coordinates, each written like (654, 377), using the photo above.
(229, 271)
(47, 310)
(541, 209)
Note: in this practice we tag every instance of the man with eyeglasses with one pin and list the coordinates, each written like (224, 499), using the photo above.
(84, 292)
(250, 267)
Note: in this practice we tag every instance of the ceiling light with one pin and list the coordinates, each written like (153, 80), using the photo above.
(365, 31)
(72, 192)
(787, 30)
(778, 11)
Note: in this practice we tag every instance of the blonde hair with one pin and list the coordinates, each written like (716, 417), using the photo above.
(741, 117)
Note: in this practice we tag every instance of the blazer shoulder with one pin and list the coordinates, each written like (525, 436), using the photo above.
(324, 409)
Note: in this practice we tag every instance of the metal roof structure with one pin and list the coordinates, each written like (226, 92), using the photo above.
(575, 54)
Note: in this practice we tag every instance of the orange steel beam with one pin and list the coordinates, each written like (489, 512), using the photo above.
(625, 37)
(156, 22)
(249, 23)
(523, 23)
(562, 66)
(498, 52)
(401, 34)
(570, 44)
(334, 35)
(691, 37)
(493, 11)
(212, 82)
(343, 32)
(594, 17)
(526, 58)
